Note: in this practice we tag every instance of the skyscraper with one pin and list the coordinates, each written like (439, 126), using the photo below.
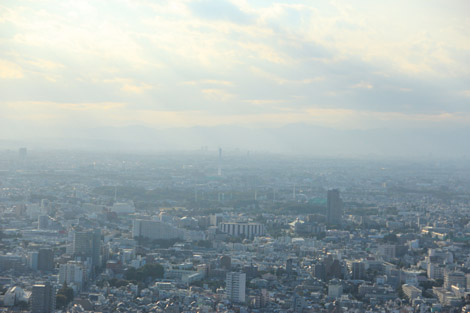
(43, 298)
(219, 165)
(235, 286)
(358, 270)
(45, 260)
(87, 244)
(334, 210)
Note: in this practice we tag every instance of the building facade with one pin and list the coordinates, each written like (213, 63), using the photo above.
(247, 230)
(235, 287)
(334, 211)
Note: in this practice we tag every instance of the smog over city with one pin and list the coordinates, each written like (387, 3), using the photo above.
(234, 156)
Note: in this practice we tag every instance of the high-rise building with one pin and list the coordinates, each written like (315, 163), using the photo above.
(45, 260)
(72, 273)
(358, 270)
(456, 278)
(334, 210)
(96, 248)
(22, 152)
(33, 259)
(43, 298)
(435, 271)
(235, 286)
(87, 244)
(319, 271)
(289, 266)
(219, 165)
(43, 222)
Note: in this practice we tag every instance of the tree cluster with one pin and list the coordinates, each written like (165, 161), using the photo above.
(64, 296)
(148, 271)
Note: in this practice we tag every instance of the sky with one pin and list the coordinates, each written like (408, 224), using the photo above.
(69, 65)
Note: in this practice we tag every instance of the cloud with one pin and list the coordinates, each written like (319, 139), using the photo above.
(217, 94)
(234, 62)
(10, 70)
(128, 85)
(363, 85)
(208, 82)
(219, 10)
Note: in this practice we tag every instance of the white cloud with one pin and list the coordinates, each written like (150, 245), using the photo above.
(10, 70)
(257, 60)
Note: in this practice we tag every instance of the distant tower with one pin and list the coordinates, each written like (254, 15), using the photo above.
(289, 266)
(334, 210)
(219, 171)
(22, 152)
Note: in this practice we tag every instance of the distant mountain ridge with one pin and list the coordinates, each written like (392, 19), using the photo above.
(290, 139)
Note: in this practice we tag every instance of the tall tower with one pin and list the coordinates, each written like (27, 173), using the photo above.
(334, 210)
(235, 286)
(219, 171)
(45, 260)
(87, 244)
(43, 298)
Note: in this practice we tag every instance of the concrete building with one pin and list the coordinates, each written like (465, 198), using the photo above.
(43, 222)
(411, 291)
(435, 271)
(457, 279)
(334, 210)
(235, 287)
(155, 230)
(248, 230)
(14, 295)
(335, 289)
(72, 273)
(87, 244)
(33, 260)
(358, 270)
(45, 260)
(43, 298)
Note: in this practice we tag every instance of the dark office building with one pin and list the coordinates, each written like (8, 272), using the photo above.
(334, 210)
(358, 270)
(43, 298)
(45, 260)
(319, 271)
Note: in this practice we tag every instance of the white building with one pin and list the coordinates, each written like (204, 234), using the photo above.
(72, 273)
(247, 229)
(335, 289)
(14, 295)
(235, 286)
(155, 230)
(411, 291)
(435, 271)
